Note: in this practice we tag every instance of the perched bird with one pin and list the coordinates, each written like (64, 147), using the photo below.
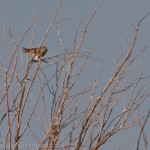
(37, 53)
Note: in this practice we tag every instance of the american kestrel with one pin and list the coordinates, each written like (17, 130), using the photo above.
(37, 53)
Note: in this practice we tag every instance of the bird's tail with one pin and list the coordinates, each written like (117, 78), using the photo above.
(25, 50)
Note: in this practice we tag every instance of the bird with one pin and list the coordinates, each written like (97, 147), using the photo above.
(36, 53)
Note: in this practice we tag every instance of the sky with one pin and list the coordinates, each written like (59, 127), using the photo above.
(112, 29)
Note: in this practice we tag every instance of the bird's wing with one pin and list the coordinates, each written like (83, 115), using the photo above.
(28, 51)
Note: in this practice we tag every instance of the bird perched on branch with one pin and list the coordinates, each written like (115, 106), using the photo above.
(37, 53)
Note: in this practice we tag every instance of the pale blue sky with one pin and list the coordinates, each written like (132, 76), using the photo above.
(112, 29)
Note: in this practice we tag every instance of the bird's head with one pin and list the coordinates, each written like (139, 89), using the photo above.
(44, 48)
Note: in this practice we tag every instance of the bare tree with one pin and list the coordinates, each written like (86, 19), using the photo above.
(66, 115)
